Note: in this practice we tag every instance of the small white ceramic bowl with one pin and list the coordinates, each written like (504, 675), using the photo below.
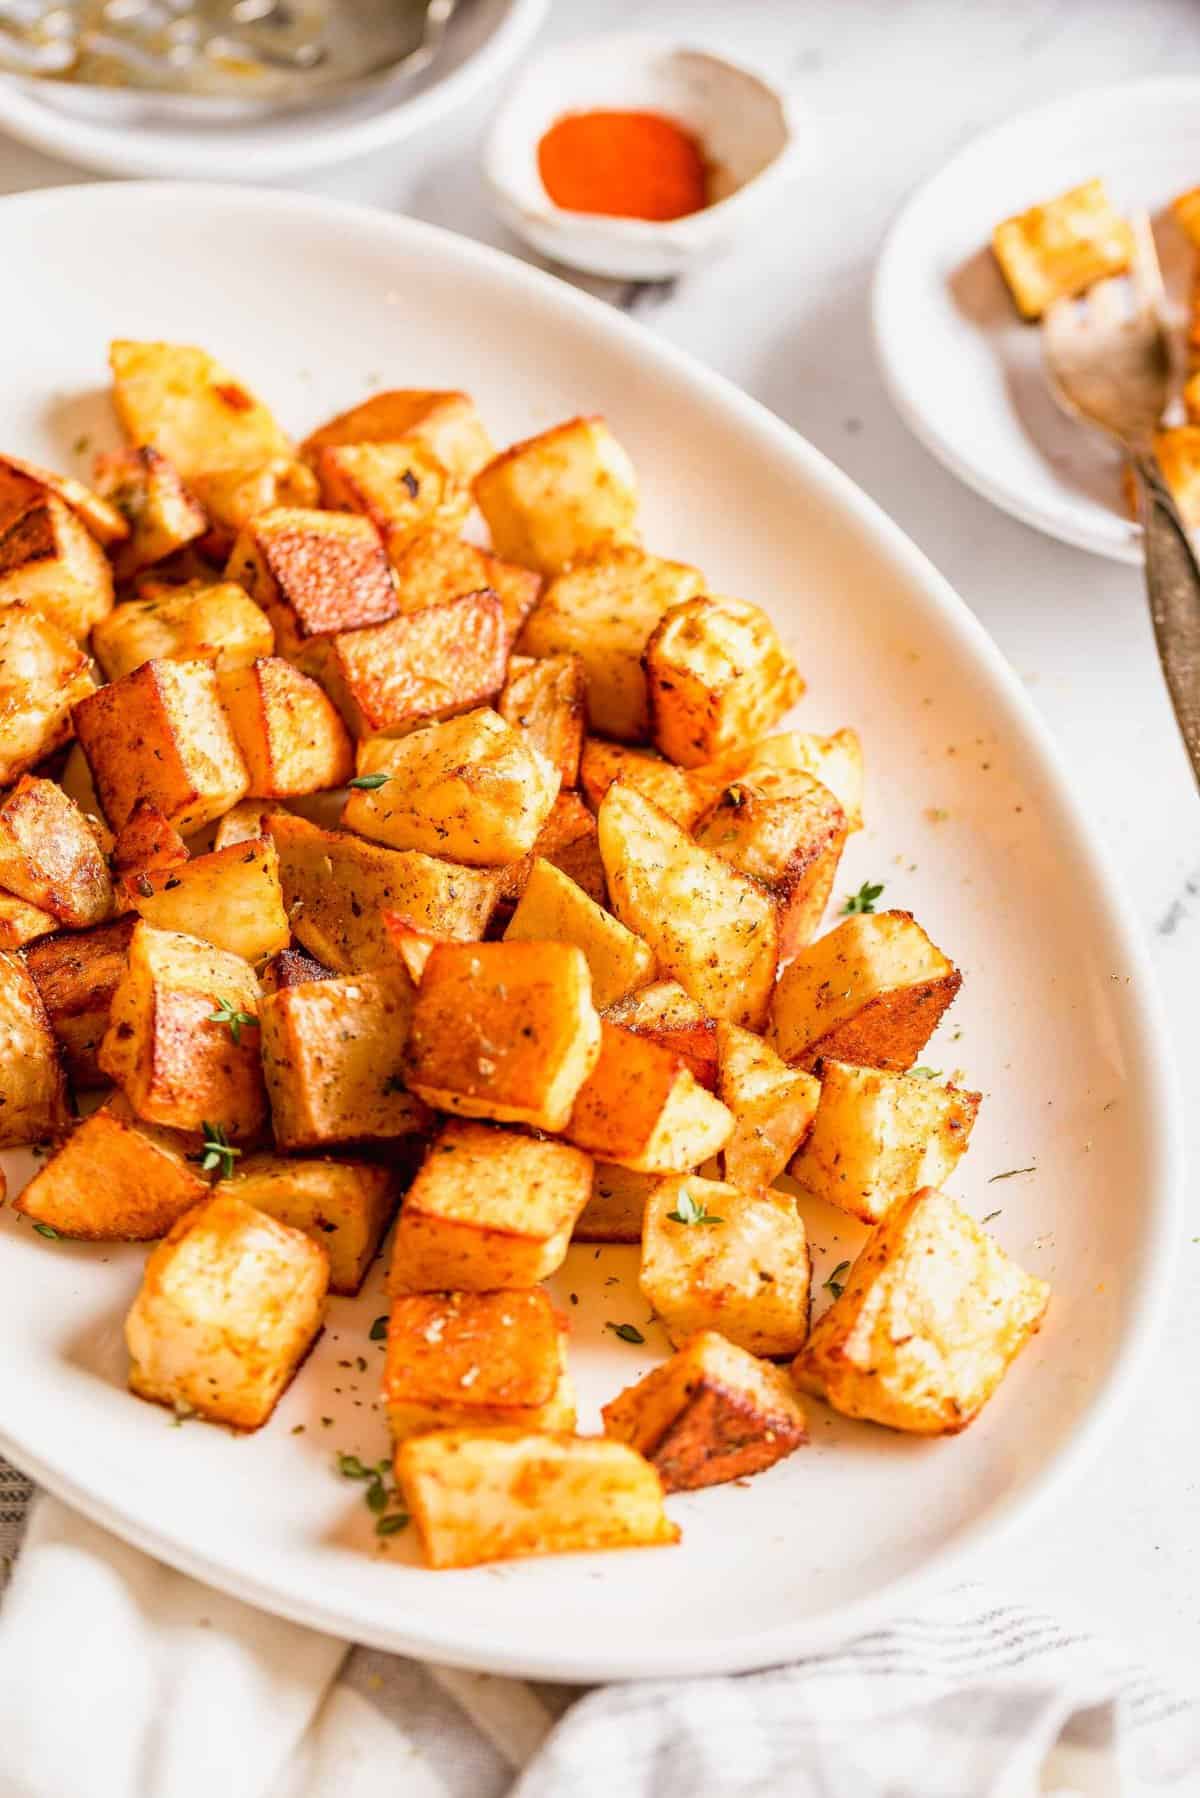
(743, 122)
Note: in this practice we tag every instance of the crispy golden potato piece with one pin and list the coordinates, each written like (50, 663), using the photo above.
(332, 1053)
(200, 621)
(870, 991)
(670, 1017)
(413, 946)
(25, 484)
(165, 1048)
(43, 674)
(230, 1304)
(773, 1106)
(161, 514)
(717, 677)
(789, 834)
(231, 898)
(247, 819)
(116, 1179)
(147, 840)
(1059, 248)
(50, 561)
(448, 425)
(711, 927)
(604, 609)
(438, 566)
(33, 1092)
(548, 700)
(836, 761)
(482, 1359)
(568, 839)
(161, 734)
(401, 487)
(711, 1413)
(489, 1208)
(877, 1137)
(560, 495)
(685, 794)
(232, 497)
(552, 909)
(496, 1495)
(931, 1316)
(473, 788)
(716, 1256)
(188, 405)
(77, 974)
(422, 665)
(617, 1206)
(49, 857)
(345, 1205)
(290, 734)
(313, 573)
(293, 967)
(21, 923)
(505, 1031)
(641, 1107)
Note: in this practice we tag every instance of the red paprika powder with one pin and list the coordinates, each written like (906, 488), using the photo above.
(637, 165)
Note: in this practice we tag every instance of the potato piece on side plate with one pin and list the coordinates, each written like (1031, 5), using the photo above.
(505, 1031)
(711, 927)
(836, 761)
(290, 734)
(870, 992)
(1061, 247)
(438, 566)
(77, 974)
(617, 1206)
(43, 675)
(552, 909)
(49, 560)
(422, 665)
(447, 423)
(200, 621)
(485, 1359)
(711, 1413)
(548, 700)
(116, 1179)
(496, 1495)
(789, 835)
(717, 677)
(560, 495)
(402, 488)
(717, 1257)
(877, 1137)
(230, 1304)
(773, 1105)
(231, 898)
(190, 407)
(344, 1204)
(33, 1092)
(21, 923)
(685, 794)
(313, 573)
(640, 1106)
(489, 1208)
(670, 1017)
(931, 1317)
(161, 514)
(49, 857)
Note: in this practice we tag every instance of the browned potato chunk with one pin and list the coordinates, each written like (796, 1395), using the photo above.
(402, 488)
(200, 621)
(715, 1256)
(232, 497)
(497, 1495)
(869, 992)
(448, 424)
(77, 974)
(773, 1105)
(437, 567)
(642, 1108)
(291, 736)
(189, 406)
(877, 1137)
(717, 677)
(49, 857)
(43, 674)
(230, 898)
(931, 1316)
(24, 484)
(161, 734)
(313, 573)
(146, 840)
(50, 561)
(421, 665)
(33, 1092)
(1059, 248)
(548, 700)
(711, 927)
(617, 1206)
(670, 1017)
(161, 514)
(247, 819)
(21, 923)
(489, 1208)
(229, 1306)
(476, 1358)
(711, 1413)
(552, 909)
(164, 1046)
(345, 1205)
(473, 788)
(560, 495)
(505, 1031)
(604, 609)
(568, 838)
(685, 794)
(115, 1179)
(836, 761)
(789, 835)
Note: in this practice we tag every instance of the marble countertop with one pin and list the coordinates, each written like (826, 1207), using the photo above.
(892, 88)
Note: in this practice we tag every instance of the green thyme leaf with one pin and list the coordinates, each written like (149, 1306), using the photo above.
(379, 1329)
(990, 1216)
(864, 899)
(218, 1153)
(692, 1211)
(351, 1468)
(925, 1073)
(392, 1524)
(229, 1014)
(835, 1283)
(627, 1332)
(369, 782)
(48, 1230)
(377, 1496)
(1011, 1173)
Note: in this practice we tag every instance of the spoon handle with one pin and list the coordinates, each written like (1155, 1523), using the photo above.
(1173, 589)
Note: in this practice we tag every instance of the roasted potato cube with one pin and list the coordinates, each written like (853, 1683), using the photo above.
(717, 1256)
(836, 761)
(43, 674)
(233, 497)
(641, 1107)
(25, 484)
(77, 974)
(568, 839)
(115, 1179)
(33, 1092)
(473, 788)
(711, 927)
(505, 1031)
(161, 514)
(422, 665)
(496, 1495)
(49, 857)
(344, 1205)
(161, 734)
(230, 898)
(717, 677)
(552, 909)
(413, 946)
(164, 1046)
(448, 425)
(685, 794)
(242, 822)
(877, 1137)
(548, 700)
(188, 405)
(402, 488)
(146, 840)
(869, 992)
(1059, 248)
(604, 610)
(50, 561)
(476, 1358)
(1177, 452)
(670, 1017)
(711, 1413)
(313, 573)
(293, 967)
(200, 621)
(789, 834)
(617, 1206)
(77, 783)
(21, 923)
(438, 566)
(291, 737)
(560, 495)
(230, 1304)
(773, 1107)
(931, 1315)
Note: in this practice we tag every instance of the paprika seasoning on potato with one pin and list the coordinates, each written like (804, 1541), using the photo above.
(638, 165)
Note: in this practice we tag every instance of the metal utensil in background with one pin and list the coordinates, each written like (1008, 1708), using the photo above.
(1110, 364)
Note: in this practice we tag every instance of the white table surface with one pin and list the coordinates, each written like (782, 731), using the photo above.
(893, 89)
